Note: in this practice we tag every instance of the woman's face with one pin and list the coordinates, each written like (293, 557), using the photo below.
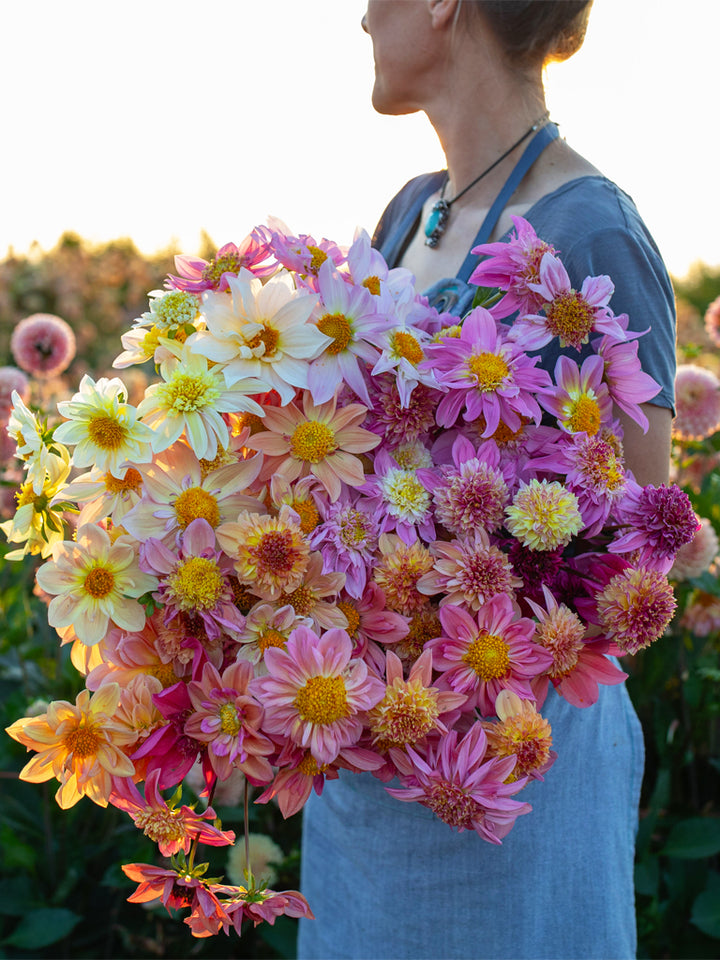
(403, 47)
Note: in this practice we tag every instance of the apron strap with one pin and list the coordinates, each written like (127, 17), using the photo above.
(543, 138)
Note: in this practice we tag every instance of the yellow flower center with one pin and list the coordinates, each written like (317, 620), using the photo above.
(309, 766)
(354, 528)
(373, 285)
(196, 583)
(106, 433)
(176, 307)
(351, 615)
(161, 825)
(82, 742)
(302, 600)
(163, 672)
(308, 513)
(196, 503)
(489, 370)
(452, 333)
(407, 346)
(570, 317)
(407, 713)
(269, 337)
(26, 495)
(318, 258)
(337, 326)
(488, 656)
(130, 483)
(185, 393)
(584, 415)
(322, 700)
(99, 582)
(229, 719)
(271, 638)
(228, 263)
(312, 441)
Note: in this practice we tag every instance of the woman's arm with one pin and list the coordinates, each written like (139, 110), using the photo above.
(648, 454)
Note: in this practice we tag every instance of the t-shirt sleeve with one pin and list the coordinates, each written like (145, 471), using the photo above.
(642, 290)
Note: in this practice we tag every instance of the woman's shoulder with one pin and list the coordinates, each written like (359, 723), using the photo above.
(584, 206)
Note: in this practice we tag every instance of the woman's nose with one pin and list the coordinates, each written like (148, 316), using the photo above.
(363, 23)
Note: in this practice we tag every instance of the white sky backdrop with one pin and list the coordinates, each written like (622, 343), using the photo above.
(155, 119)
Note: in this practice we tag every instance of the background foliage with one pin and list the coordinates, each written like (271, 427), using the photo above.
(62, 893)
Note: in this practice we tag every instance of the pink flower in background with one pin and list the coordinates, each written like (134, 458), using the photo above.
(461, 784)
(712, 321)
(12, 379)
(702, 615)
(697, 396)
(43, 344)
(694, 558)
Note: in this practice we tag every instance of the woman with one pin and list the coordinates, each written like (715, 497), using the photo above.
(385, 880)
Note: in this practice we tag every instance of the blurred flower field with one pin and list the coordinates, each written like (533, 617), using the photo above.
(62, 892)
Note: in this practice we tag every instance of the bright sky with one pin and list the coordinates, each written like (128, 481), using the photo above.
(155, 119)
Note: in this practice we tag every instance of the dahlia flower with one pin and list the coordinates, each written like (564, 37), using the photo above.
(78, 744)
(12, 381)
(95, 582)
(472, 494)
(267, 626)
(347, 540)
(401, 498)
(513, 265)
(103, 427)
(263, 905)
(265, 855)
(398, 570)
(660, 521)
(103, 495)
(483, 654)
(712, 321)
(461, 784)
(195, 580)
(314, 692)
(197, 275)
(319, 440)
(308, 599)
(227, 718)
(580, 402)
(522, 733)
(694, 558)
(485, 374)
(702, 615)
(569, 314)
(43, 344)
(634, 608)
(38, 521)
(177, 490)
(697, 401)
(177, 889)
(543, 515)
(190, 401)
(261, 332)
(627, 384)
(173, 828)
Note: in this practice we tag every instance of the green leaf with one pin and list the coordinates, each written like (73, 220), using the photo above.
(693, 839)
(647, 876)
(487, 297)
(39, 928)
(16, 896)
(706, 908)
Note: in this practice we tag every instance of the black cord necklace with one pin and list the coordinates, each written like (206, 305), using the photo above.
(440, 213)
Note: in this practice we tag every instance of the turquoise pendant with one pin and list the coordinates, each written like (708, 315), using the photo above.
(436, 222)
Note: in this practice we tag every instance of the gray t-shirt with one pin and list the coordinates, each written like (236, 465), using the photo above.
(596, 229)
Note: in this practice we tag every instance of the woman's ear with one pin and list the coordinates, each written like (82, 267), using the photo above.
(443, 13)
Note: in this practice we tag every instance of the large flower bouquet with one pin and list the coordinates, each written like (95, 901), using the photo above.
(341, 531)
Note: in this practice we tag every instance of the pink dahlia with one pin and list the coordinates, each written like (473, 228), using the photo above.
(473, 493)
(347, 539)
(492, 651)
(196, 580)
(177, 889)
(694, 558)
(303, 254)
(469, 572)
(577, 666)
(401, 498)
(173, 828)
(43, 344)
(513, 265)
(485, 375)
(569, 314)
(319, 440)
(629, 386)
(702, 615)
(712, 321)
(396, 423)
(660, 521)
(462, 784)
(12, 379)
(197, 275)
(580, 402)
(227, 718)
(522, 733)
(315, 692)
(262, 905)
(697, 402)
